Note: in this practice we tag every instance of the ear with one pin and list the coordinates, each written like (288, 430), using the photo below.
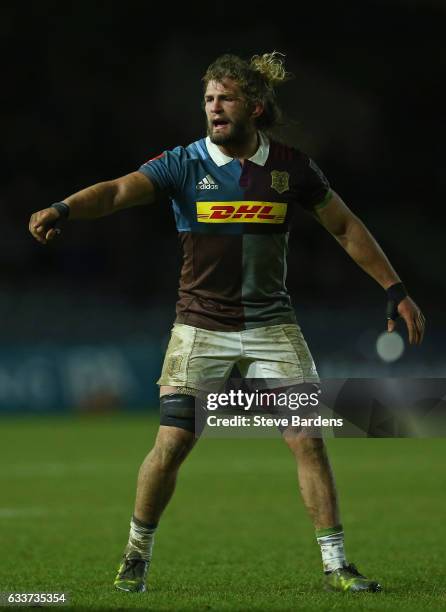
(257, 110)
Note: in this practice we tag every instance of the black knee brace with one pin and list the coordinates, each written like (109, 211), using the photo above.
(178, 410)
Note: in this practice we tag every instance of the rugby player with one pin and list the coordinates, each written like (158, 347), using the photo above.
(233, 195)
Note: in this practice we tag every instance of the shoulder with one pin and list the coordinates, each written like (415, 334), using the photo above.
(194, 150)
(299, 162)
(286, 153)
(295, 160)
(197, 150)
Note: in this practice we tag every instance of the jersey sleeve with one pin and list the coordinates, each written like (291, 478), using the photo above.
(167, 171)
(315, 189)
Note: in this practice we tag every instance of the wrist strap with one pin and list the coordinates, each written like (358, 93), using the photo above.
(62, 208)
(395, 294)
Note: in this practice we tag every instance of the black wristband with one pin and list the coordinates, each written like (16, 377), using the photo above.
(62, 208)
(395, 294)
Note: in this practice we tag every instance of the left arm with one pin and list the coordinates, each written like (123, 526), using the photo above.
(355, 238)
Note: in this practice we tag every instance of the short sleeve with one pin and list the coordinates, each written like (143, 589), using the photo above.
(315, 189)
(166, 170)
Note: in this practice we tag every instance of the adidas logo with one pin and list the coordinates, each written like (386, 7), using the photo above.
(207, 183)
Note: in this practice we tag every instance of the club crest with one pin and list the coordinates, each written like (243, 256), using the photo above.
(280, 181)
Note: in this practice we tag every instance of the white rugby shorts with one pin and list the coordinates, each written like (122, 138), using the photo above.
(196, 356)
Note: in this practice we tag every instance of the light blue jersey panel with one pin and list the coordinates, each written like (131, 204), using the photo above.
(189, 175)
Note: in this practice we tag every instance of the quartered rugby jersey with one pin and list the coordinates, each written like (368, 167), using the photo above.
(233, 223)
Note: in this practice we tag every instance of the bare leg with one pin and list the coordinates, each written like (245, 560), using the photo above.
(158, 472)
(316, 479)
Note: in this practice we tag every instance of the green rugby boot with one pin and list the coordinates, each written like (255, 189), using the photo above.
(348, 580)
(132, 572)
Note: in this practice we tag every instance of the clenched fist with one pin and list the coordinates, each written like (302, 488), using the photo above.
(42, 225)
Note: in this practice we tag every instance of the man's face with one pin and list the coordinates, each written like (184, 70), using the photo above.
(228, 118)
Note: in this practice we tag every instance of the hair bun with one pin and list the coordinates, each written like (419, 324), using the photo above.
(271, 67)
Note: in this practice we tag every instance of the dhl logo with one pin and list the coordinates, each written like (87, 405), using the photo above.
(241, 212)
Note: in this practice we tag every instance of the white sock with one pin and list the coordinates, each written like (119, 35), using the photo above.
(140, 539)
(332, 549)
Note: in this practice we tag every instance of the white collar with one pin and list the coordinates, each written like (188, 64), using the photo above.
(259, 157)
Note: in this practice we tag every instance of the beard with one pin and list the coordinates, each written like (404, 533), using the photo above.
(236, 133)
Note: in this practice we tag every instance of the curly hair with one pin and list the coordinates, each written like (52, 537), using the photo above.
(256, 78)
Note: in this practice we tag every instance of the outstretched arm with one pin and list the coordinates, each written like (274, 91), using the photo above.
(98, 200)
(355, 238)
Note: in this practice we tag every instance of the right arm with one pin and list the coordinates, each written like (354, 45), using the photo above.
(99, 200)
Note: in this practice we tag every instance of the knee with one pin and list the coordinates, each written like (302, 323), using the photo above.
(171, 448)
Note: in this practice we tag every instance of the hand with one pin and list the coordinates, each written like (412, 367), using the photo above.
(414, 319)
(42, 225)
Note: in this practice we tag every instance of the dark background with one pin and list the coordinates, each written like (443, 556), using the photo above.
(92, 90)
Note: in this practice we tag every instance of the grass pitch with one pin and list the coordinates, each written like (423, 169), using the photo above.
(235, 536)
